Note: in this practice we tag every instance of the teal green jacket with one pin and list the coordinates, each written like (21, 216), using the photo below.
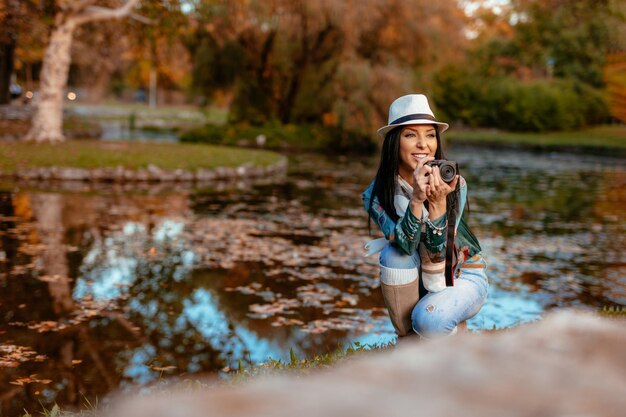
(407, 233)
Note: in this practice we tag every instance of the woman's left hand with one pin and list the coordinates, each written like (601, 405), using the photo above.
(439, 189)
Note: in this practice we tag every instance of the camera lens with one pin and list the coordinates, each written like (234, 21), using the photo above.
(447, 171)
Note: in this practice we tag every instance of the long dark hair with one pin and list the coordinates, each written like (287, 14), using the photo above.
(389, 169)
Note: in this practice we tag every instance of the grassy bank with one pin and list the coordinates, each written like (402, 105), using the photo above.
(89, 154)
(605, 140)
(305, 365)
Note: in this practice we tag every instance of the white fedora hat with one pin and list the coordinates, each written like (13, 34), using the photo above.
(412, 109)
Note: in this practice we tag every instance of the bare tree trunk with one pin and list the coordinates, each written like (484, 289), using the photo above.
(48, 209)
(47, 125)
(48, 119)
(7, 51)
(8, 40)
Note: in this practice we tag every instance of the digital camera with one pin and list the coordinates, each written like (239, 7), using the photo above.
(447, 169)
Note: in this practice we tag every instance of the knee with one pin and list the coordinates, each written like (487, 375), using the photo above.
(392, 257)
(479, 278)
(429, 323)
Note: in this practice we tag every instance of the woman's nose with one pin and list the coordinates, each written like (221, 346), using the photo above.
(421, 142)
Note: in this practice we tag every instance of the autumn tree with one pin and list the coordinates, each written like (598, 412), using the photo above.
(68, 15)
(615, 79)
(335, 62)
(549, 38)
(156, 54)
(132, 54)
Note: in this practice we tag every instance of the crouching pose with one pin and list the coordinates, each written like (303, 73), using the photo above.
(432, 274)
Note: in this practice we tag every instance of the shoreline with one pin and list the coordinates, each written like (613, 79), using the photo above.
(152, 174)
(613, 152)
(135, 162)
(604, 140)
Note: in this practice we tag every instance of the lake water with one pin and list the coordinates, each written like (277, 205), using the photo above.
(106, 288)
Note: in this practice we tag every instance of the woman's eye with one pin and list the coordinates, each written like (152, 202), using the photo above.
(409, 135)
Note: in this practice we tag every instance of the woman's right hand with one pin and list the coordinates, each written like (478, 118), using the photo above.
(421, 179)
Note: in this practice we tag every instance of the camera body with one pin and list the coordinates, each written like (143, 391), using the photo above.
(447, 169)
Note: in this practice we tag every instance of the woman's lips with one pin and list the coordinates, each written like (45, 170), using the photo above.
(419, 156)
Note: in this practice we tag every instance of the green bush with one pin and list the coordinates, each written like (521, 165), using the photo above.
(455, 93)
(511, 104)
(279, 136)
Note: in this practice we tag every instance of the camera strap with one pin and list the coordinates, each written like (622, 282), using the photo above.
(450, 246)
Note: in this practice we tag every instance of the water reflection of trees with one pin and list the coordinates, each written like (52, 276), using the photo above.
(88, 350)
(37, 289)
(236, 305)
(109, 248)
(128, 251)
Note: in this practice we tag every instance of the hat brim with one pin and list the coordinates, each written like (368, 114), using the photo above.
(383, 130)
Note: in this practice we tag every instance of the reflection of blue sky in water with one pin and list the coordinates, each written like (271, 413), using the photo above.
(506, 309)
(110, 267)
(201, 310)
(381, 334)
(136, 369)
(111, 263)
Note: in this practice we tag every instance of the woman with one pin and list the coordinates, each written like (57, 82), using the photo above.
(433, 277)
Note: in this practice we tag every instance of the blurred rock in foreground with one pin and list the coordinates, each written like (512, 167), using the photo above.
(571, 363)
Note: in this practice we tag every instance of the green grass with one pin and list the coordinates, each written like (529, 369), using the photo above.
(305, 365)
(95, 154)
(603, 138)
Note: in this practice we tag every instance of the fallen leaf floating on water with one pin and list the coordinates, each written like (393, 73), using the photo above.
(54, 278)
(337, 323)
(22, 269)
(85, 310)
(279, 306)
(47, 326)
(249, 289)
(12, 355)
(282, 321)
(29, 380)
(163, 368)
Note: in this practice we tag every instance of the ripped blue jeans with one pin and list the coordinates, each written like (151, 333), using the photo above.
(437, 314)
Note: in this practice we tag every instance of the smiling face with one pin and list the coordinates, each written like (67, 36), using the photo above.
(416, 142)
